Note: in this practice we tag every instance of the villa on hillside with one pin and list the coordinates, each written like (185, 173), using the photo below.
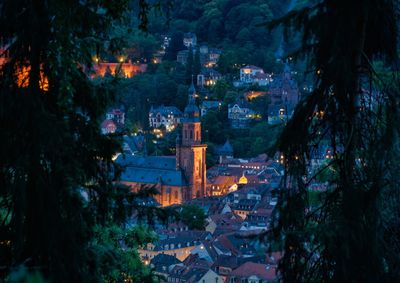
(240, 114)
(251, 74)
(167, 116)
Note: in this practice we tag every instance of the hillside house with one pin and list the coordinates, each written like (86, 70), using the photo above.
(167, 116)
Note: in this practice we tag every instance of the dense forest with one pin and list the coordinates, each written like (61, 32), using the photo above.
(232, 26)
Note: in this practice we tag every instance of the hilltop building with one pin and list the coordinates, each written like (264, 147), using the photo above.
(117, 115)
(108, 127)
(209, 56)
(183, 55)
(190, 39)
(114, 120)
(253, 75)
(208, 77)
(178, 178)
(167, 116)
(121, 68)
(284, 95)
(240, 114)
(209, 105)
(224, 152)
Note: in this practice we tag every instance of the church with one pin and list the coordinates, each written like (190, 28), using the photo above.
(178, 178)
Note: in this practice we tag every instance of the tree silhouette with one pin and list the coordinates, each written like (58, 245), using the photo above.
(344, 238)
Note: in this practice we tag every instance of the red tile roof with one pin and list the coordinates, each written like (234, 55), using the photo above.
(262, 271)
(108, 123)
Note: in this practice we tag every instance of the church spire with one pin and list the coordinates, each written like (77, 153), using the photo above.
(191, 93)
(192, 112)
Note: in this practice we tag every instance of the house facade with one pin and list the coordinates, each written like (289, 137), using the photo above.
(167, 116)
(208, 105)
(240, 114)
(284, 95)
(117, 115)
(208, 77)
(190, 39)
(108, 127)
(124, 69)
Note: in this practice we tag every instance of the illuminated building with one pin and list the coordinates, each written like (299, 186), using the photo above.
(240, 114)
(167, 116)
(124, 69)
(178, 178)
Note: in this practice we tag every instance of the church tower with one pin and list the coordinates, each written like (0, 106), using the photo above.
(190, 153)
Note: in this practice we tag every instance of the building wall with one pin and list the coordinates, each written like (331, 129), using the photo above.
(157, 119)
(211, 277)
(242, 213)
(192, 161)
(169, 195)
(128, 70)
(191, 157)
(247, 74)
(211, 226)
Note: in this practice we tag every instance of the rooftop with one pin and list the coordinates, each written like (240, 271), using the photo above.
(262, 271)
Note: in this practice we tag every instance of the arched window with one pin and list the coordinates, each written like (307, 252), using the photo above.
(186, 135)
(191, 134)
(176, 195)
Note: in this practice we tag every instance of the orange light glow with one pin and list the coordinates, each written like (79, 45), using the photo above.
(22, 75)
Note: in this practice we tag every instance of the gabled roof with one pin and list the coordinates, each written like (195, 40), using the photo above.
(241, 102)
(228, 222)
(165, 110)
(115, 111)
(209, 248)
(234, 261)
(214, 50)
(246, 204)
(153, 162)
(108, 123)
(210, 72)
(236, 243)
(261, 76)
(174, 242)
(164, 259)
(154, 176)
(251, 67)
(262, 271)
(223, 181)
(210, 104)
(151, 170)
(134, 143)
(225, 149)
(189, 34)
(192, 269)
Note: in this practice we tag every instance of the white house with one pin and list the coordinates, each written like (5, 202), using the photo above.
(248, 73)
(253, 75)
(167, 116)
